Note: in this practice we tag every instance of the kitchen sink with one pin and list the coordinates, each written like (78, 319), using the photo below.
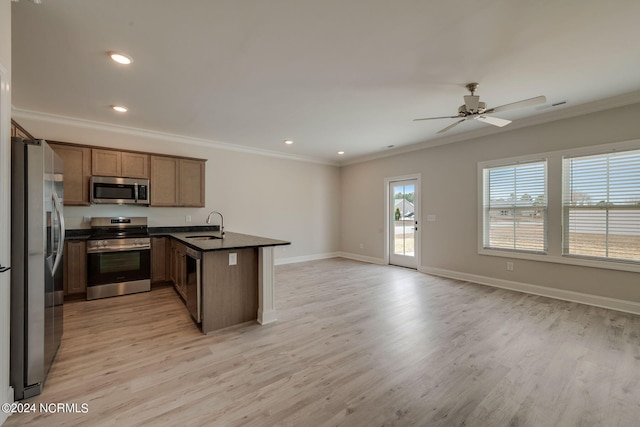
(207, 237)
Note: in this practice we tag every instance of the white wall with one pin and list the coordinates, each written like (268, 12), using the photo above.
(260, 195)
(449, 190)
(6, 394)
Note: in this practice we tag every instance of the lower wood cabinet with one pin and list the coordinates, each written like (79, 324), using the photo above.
(178, 267)
(75, 267)
(160, 259)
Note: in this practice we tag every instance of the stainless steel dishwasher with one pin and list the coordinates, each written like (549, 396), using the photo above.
(194, 284)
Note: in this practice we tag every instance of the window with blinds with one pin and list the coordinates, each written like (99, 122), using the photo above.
(601, 206)
(515, 207)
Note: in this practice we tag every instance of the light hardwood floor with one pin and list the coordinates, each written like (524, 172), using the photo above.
(355, 345)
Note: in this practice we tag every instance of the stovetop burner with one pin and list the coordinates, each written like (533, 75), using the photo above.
(118, 228)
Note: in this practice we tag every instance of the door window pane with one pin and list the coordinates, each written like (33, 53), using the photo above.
(404, 219)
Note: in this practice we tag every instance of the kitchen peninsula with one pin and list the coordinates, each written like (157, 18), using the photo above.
(235, 276)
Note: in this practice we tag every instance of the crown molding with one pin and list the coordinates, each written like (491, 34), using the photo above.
(19, 113)
(551, 116)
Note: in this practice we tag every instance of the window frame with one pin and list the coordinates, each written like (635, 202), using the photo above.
(555, 214)
(485, 209)
(566, 209)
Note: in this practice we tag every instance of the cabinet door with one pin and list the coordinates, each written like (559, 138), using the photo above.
(158, 260)
(173, 269)
(164, 181)
(77, 173)
(106, 162)
(178, 269)
(192, 177)
(75, 267)
(135, 165)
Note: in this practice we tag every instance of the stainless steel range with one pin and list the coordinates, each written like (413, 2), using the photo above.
(118, 257)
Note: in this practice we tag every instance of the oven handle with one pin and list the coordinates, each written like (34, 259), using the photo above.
(119, 249)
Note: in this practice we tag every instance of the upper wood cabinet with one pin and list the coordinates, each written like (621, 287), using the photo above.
(192, 182)
(119, 163)
(173, 181)
(135, 165)
(77, 172)
(164, 181)
(177, 182)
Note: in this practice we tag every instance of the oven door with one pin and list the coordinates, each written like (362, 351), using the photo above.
(118, 272)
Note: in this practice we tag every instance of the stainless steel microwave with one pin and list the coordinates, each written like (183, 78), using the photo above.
(120, 191)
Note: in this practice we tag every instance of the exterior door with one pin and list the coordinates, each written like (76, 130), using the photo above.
(403, 214)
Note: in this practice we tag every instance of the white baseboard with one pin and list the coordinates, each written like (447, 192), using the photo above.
(362, 258)
(589, 299)
(348, 255)
(282, 261)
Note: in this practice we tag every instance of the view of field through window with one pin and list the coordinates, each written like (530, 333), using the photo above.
(602, 206)
(516, 207)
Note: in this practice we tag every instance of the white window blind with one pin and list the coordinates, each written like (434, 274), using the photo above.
(515, 207)
(601, 206)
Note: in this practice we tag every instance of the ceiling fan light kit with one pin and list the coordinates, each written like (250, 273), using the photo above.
(473, 109)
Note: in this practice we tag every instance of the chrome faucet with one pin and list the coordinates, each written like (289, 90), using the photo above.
(221, 222)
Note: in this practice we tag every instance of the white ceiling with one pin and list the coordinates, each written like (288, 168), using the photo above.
(329, 74)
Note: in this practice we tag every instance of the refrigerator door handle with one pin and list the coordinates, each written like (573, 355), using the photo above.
(58, 205)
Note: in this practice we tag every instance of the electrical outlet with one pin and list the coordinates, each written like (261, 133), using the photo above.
(361, 245)
(233, 258)
(187, 218)
(510, 266)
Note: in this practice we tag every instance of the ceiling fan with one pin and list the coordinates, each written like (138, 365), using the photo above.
(473, 109)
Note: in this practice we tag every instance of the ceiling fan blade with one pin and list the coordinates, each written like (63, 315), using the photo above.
(493, 121)
(524, 103)
(436, 118)
(451, 126)
(471, 102)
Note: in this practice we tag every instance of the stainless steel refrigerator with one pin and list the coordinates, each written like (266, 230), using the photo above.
(37, 242)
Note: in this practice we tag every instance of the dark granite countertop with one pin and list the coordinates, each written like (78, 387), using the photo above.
(85, 233)
(230, 241)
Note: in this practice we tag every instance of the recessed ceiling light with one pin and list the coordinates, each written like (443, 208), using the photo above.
(119, 108)
(288, 142)
(340, 152)
(120, 58)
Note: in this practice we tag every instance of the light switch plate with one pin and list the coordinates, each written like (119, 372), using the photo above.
(431, 217)
(233, 258)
